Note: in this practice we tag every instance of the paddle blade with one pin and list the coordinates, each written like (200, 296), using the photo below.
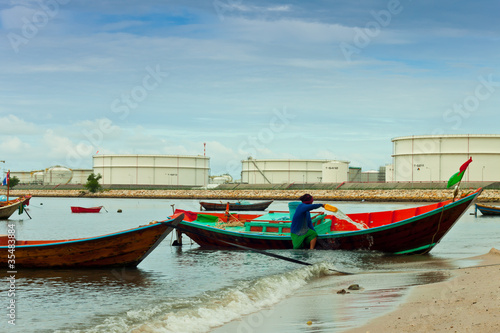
(331, 208)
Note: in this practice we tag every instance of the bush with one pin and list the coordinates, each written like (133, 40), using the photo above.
(93, 183)
(13, 181)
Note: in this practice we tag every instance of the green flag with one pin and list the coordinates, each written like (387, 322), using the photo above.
(456, 178)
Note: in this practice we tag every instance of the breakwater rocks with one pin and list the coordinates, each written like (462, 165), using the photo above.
(319, 195)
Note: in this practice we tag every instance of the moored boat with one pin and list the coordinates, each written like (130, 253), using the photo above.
(7, 208)
(76, 209)
(235, 206)
(414, 230)
(487, 210)
(124, 248)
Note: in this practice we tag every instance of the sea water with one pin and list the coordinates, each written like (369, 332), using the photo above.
(188, 289)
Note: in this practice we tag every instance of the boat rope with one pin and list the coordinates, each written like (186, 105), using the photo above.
(274, 255)
(435, 234)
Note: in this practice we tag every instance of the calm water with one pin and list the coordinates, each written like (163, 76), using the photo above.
(192, 290)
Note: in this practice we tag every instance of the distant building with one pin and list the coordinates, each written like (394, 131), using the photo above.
(168, 170)
(428, 158)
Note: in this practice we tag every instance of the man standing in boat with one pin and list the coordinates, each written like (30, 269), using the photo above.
(302, 230)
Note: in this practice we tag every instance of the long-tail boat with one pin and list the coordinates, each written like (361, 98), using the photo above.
(487, 210)
(236, 206)
(124, 248)
(7, 208)
(415, 230)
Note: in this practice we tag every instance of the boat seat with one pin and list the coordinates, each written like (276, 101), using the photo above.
(321, 225)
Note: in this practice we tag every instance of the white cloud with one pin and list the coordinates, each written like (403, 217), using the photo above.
(13, 125)
(13, 144)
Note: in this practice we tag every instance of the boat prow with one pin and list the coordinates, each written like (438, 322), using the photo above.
(124, 248)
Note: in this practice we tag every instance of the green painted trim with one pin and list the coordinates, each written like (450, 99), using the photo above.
(236, 233)
(425, 247)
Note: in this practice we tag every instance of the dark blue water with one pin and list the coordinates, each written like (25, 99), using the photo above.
(193, 290)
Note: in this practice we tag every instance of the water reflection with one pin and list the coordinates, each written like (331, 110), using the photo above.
(124, 277)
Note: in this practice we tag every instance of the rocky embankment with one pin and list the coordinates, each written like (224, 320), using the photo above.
(324, 195)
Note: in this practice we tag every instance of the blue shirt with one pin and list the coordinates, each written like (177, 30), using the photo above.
(301, 221)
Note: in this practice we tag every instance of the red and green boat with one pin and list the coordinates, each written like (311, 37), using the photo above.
(415, 230)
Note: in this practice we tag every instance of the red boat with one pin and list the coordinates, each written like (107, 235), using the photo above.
(413, 230)
(76, 209)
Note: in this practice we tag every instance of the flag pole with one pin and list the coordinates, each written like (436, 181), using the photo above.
(8, 184)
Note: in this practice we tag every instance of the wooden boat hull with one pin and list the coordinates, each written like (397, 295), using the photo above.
(125, 248)
(414, 235)
(488, 210)
(233, 206)
(9, 207)
(75, 209)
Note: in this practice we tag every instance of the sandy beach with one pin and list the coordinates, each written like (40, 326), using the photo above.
(467, 300)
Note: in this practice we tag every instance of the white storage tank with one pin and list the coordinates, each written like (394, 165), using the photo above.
(222, 179)
(80, 176)
(37, 177)
(335, 172)
(57, 175)
(172, 170)
(429, 158)
(279, 171)
(23, 176)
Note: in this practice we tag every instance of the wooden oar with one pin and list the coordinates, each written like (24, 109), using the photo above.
(274, 255)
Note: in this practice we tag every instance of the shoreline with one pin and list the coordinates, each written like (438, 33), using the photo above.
(330, 195)
(468, 302)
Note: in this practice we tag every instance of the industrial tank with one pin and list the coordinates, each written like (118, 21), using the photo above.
(428, 158)
(152, 169)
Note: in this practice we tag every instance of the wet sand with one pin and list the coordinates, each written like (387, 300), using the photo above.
(467, 300)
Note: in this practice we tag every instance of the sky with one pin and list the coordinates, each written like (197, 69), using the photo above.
(236, 78)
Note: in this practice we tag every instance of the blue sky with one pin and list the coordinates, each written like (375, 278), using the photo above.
(268, 79)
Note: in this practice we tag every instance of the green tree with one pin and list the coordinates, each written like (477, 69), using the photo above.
(13, 181)
(93, 183)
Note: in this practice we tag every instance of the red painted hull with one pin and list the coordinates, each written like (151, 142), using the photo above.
(85, 210)
(412, 231)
